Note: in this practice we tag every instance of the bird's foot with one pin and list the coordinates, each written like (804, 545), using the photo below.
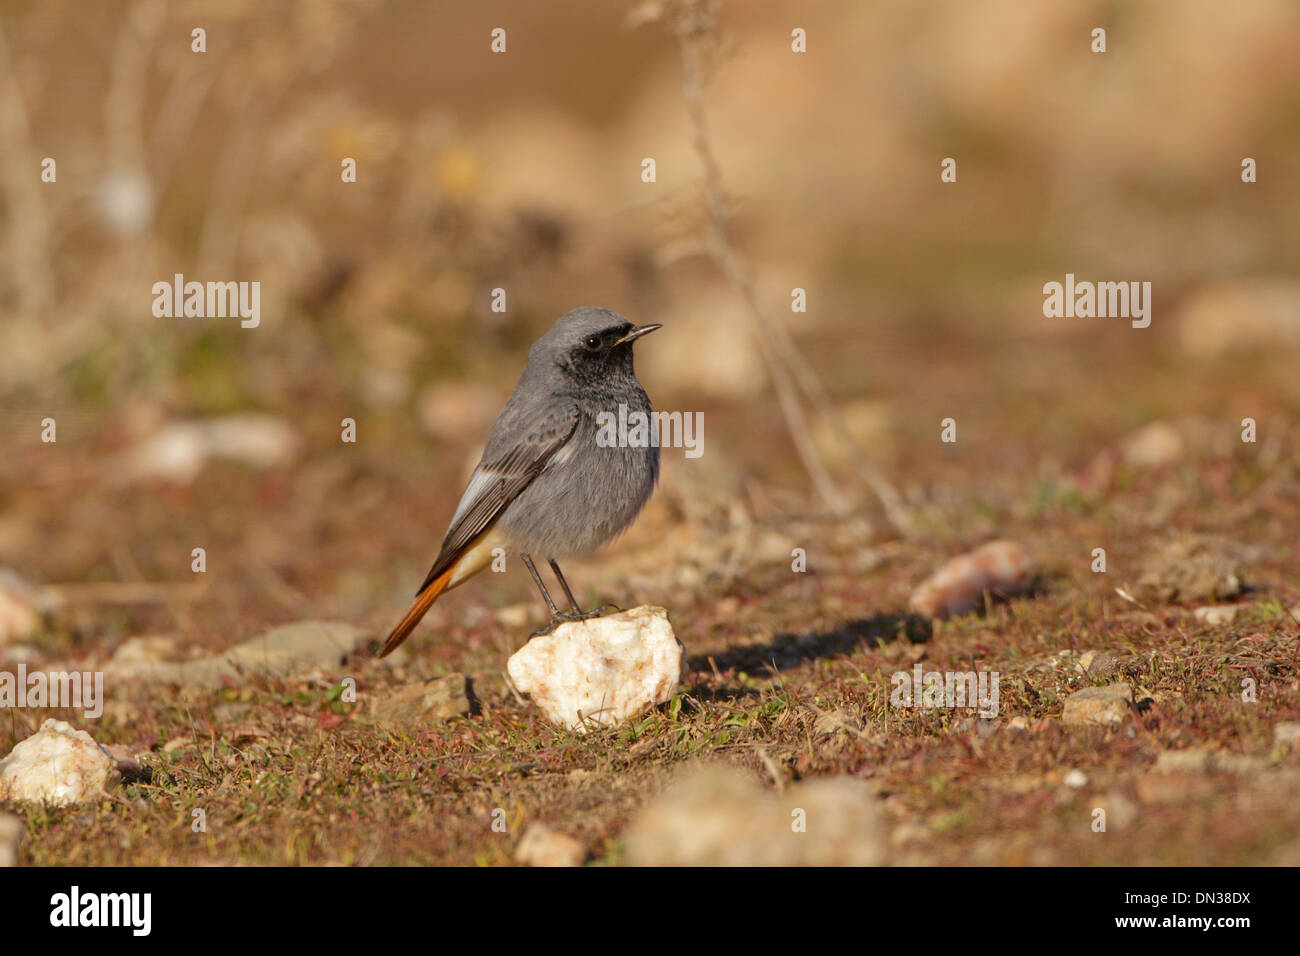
(569, 617)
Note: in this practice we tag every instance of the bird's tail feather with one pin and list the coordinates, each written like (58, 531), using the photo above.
(423, 602)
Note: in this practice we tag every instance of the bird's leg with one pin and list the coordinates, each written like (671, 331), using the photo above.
(578, 613)
(546, 596)
(568, 592)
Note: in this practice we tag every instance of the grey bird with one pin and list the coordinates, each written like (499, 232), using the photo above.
(545, 486)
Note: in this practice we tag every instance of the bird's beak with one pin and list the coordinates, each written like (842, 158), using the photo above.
(636, 332)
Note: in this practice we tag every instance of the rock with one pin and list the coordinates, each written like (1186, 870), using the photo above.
(19, 614)
(11, 839)
(150, 647)
(543, 846)
(1287, 734)
(1172, 788)
(1001, 568)
(604, 670)
(58, 765)
(1215, 614)
(1240, 316)
(836, 722)
(1183, 761)
(1098, 705)
(1098, 663)
(716, 816)
(1076, 780)
(180, 451)
(1192, 568)
(1153, 445)
(290, 648)
(437, 699)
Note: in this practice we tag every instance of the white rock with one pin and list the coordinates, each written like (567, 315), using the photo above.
(543, 846)
(604, 670)
(717, 816)
(11, 838)
(1287, 734)
(1076, 780)
(1215, 614)
(59, 765)
(18, 610)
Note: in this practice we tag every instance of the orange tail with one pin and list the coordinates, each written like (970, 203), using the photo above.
(421, 607)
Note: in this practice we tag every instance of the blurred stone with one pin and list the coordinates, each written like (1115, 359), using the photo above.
(1216, 614)
(1153, 445)
(1192, 568)
(1241, 315)
(145, 648)
(1098, 663)
(543, 846)
(1098, 705)
(1182, 761)
(716, 816)
(1076, 780)
(1172, 788)
(19, 614)
(1001, 568)
(604, 669)
(11, 839)
(290, 648)
(180, 451)
(58, 765)
(437, 699)
(1287, 734)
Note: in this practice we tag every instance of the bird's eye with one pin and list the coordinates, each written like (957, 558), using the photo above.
(592, 342)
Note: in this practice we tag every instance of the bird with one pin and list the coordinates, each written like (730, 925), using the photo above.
(545, 485)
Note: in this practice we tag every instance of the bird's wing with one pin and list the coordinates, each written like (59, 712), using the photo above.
(501, 475)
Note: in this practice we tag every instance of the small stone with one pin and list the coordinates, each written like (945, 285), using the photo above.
(58, 765)
(836, 722)
(1152, 445)
(1098, 663)
(1019, 723)
(438, 699)
(1183, 761)
(1287, 734)
(19, 613)
(603, 670)
(290, 648)
(1215, 614)
(514, 616)
(1000, 568)
(1192, 568)
(1171, 788)
(1076, 780)
(11, 839)
(717, 816)
(149, 647)
(1098, 705)
(542, 846)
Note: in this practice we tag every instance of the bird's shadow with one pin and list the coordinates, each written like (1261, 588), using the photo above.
(788, 649)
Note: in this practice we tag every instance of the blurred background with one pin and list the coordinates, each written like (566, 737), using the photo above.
(522, 171)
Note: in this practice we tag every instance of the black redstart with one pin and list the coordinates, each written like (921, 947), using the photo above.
(545, 485)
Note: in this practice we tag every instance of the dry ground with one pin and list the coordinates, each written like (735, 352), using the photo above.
(287, 773)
